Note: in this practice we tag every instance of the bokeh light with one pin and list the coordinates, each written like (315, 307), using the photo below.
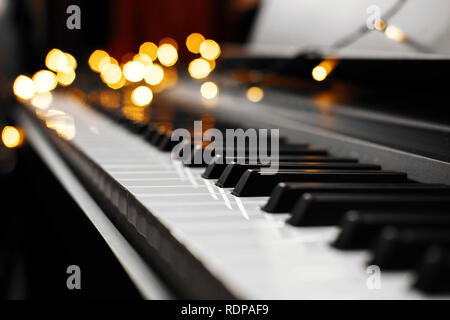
(255, 94)
(193, 42)
(155, 75)
(199, 68)
(209, 90)
(44, 80)
(11, 137)
(150, 49)
(395, 33)
(42, 100)
(66, 78)
(95, 58)
(24, 87)
(167, 55)
(319, 73)
(142, 96)
(134, 71)
(209, 49)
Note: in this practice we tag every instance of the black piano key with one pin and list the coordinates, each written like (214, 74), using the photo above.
(234, 171)
(285, 195)
(321, 209)
(254, 182)
(398, 249)
(252, 154)
(215, 169)
(433, 271)
(360, 228)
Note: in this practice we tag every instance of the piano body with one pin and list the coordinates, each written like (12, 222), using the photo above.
(358, 209)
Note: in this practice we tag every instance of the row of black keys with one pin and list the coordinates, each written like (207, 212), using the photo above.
(405, 224)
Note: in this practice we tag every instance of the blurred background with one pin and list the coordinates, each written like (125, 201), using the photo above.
(36, 245)
(401, 67)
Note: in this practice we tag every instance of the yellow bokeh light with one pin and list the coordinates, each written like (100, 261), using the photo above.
(95, 58)
(71, 62)
(44, 80)
(117, 85)
(66, 78)
(155, 75)
(209, 49)
(24, 87)
(319, 73)
(134, 71)
(150, 49)
(57, 60)
(144, 59)
(209, 90)
(395, 33)
(141, 96)
(167, 55)
(199, 68)
(42, 100)
(193, 42)
(380, 25)
(111, 74)
(11, 137)
(255, 94)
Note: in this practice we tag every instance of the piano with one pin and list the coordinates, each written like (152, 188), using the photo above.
(358, 207)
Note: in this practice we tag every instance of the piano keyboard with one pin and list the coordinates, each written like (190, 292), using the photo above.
(307, 232)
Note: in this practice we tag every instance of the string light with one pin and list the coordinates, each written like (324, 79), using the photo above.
(168, 40)
(320, 72)
(44, 80)
(150, 49)
(255, 94)
(394, 33)
(24, 87)
(199, 68)
(144, 59)
(193, 42)
(209, 90)
(112, 74)
(66, 78)
(141, 96)
(167, 54)
(134, 71)
(11, 137)
(209, 49)
(95, 58)
(155, 75)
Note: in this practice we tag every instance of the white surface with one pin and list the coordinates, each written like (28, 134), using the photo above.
(256, 255)
(286, 26)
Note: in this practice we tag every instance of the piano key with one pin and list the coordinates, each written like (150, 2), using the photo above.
(216, 168)
(198, 153)
(320, 209)
(433, 271)
(285, 195)
(234, 171)
(256, 183)
(360, 228)
(398, 249)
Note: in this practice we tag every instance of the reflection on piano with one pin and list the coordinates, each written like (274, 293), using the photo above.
(359, 207)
